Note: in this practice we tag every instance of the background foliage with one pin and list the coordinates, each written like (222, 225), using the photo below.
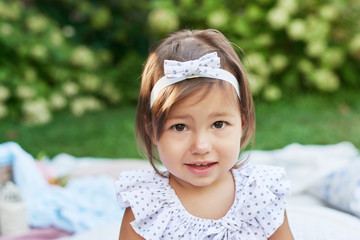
(87, 55)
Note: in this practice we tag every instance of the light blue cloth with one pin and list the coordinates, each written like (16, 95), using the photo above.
(341, 188)
(83, 204)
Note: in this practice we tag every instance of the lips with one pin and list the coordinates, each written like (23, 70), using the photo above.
(201, 168)
(201, 165)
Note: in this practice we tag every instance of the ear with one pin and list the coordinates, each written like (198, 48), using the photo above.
(152, 136)
(243, 123)
(150, 133)
(153, 140)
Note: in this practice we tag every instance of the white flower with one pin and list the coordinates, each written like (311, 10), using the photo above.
(354, 45)
(10, 10)
(272, 93)
(56, 38)
(77, 107)
(70, 89)
(256, 83)
(163, 21)
(82, 104)
(36, 112)
(317, 29)
(297, 29)
(39, 52)
(329, 12)
(90, 82)
(305, 66)
(4, 93)
(93, 104)
(291, 6)
(25, 92)
(264, 40)
(333, 57)
(257, 63)
(6, 29)
(278, 62)
(109, 91)
(82, 56)
(57, 101)
(68, 31)
(3, 111)
(326, 80)
(218, 19)
(278, 18)
(315, 48)
(37, 23)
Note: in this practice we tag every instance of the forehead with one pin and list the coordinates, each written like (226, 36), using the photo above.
(220, 97)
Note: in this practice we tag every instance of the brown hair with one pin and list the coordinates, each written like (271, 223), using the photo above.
(186, 45)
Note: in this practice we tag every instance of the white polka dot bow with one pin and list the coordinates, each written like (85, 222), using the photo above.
(203, 67)
(207, 66)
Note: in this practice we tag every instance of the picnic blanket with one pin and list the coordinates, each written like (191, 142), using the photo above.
(82, 204)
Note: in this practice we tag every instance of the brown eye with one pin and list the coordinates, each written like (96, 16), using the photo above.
(219, 124)
(179, 127)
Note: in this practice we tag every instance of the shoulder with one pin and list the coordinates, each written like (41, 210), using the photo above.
(132, 184)
(259, 170)
(262, 191)
(126, 231)
(150, 202)
(262, 179)
(269, 176)
(283, 232)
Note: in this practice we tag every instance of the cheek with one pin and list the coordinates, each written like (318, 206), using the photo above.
(231, 142)
(169, 147)
(233, 146)
(162, 149)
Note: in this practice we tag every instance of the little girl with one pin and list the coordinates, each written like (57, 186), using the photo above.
(195, 114)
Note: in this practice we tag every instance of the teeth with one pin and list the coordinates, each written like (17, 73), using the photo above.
(201, 164)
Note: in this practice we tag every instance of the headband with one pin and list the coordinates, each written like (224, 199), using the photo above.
(208, 66)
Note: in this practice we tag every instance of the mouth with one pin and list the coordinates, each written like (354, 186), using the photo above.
(201, 168)
(201, 165)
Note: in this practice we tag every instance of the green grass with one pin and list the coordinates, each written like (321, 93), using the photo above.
(109, 133)
(309, 119)
(305, 119)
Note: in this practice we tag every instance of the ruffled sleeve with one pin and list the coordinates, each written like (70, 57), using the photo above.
(264, 192)
(147, 194)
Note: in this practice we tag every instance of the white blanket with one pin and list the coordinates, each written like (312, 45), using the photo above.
(309, 217)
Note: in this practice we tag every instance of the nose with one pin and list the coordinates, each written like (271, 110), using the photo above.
(201, 143)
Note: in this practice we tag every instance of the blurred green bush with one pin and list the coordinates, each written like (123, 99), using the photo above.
(87, 55)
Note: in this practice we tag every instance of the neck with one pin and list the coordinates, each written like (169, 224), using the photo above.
(183, 186)
(197, 200)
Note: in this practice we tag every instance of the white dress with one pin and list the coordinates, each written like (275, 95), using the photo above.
(257, 211)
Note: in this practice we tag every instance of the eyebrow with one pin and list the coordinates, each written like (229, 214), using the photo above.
(178, 117)
(221, 114)
(213, 115)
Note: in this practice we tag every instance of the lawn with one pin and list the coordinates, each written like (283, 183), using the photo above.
(306, 119)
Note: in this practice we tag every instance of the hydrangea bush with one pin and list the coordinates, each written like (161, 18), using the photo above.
(86, 55)
(42, 70)
(289, 45)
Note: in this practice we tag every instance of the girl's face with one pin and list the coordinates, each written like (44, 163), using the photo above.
(200, 141)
